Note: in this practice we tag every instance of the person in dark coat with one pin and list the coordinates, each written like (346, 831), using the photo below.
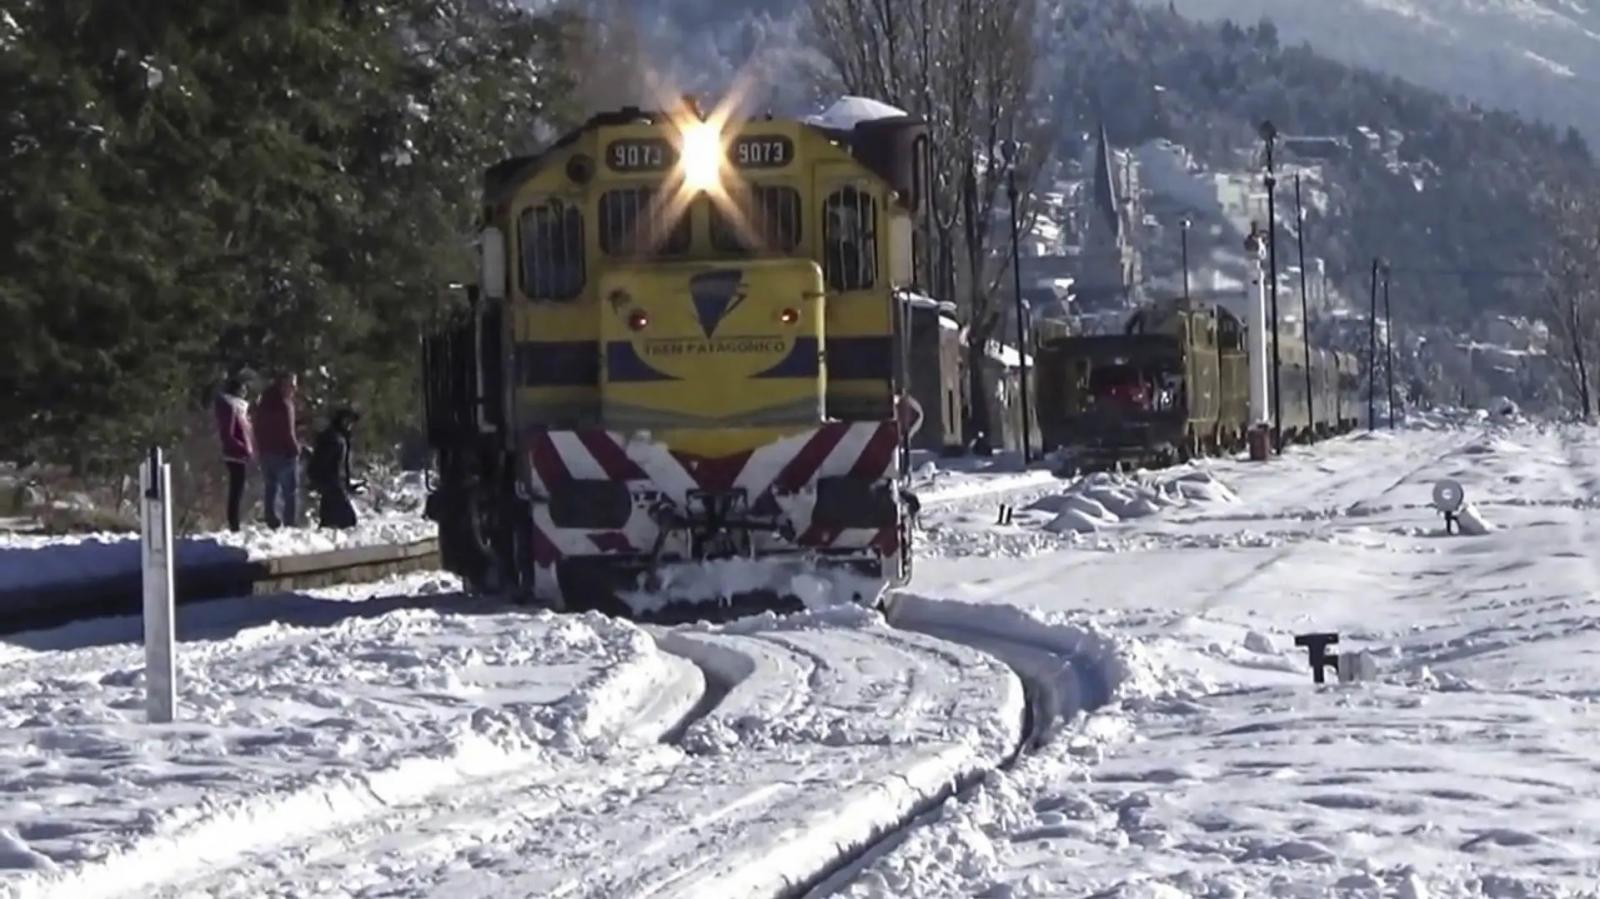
(330, 471)
(278, 445)
(238, 441)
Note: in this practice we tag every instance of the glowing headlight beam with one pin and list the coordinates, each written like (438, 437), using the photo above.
(701, 156)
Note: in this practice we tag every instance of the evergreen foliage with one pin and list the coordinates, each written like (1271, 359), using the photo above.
(194, 189)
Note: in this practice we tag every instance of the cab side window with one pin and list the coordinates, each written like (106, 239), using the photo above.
(551, 258)
(850, 239)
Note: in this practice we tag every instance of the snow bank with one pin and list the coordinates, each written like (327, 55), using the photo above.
(35, 561)
(943, 481)
(285, 734)
(1102, 665)
(1102, 500)
(1472, 521)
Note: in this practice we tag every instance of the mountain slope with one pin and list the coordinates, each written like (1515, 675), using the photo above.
(1538, 57)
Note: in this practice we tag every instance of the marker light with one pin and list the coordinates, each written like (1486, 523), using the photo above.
(788, 316)
(701, 153)
(638, 320)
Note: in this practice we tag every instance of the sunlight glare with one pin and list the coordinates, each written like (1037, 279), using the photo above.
(702, 156)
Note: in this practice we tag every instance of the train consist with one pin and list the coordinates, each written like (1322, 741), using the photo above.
(680, 385)
(1175, 385)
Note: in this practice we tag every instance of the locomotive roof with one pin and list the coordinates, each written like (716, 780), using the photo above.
(501, 179)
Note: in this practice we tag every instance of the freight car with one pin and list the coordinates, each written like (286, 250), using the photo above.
(1174, 385)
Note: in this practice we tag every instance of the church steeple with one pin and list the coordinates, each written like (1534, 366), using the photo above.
(1105, 184)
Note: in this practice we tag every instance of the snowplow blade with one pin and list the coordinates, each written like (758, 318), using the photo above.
(716, 590)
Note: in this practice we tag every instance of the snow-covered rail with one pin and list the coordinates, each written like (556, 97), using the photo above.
(462, 748)
(1064, 671)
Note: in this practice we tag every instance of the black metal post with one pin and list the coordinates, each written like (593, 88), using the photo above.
(1186, 257)
(1372, 353)
(1305, 305)
(1022, 323)
(1270, 134)
(1388, 344)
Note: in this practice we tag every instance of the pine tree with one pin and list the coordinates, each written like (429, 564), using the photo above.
(192, 189)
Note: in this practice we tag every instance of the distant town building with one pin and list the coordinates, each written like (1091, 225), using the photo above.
(1108, 264)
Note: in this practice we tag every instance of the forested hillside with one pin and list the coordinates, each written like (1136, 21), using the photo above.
(1446, 188)
(1540, 57)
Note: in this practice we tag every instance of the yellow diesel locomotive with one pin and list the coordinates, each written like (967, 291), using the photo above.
(679, 388)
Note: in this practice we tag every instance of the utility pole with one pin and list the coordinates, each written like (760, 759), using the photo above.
(1305, 306)
(1388, 344)
(1269, 134)
(1186, 224)
(1012, 153)
(1372, 353)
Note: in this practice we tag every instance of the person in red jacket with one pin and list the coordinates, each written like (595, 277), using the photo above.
(279, 446)
(238, 441)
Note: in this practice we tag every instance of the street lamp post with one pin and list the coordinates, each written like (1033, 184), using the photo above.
(1388, 343)
(1305, 305)
(1269, 134)
(1013, 151)
(1372, 352)
(1186, 224)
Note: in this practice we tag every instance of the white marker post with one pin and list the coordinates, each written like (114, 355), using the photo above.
(161, 691)
(1260, 424)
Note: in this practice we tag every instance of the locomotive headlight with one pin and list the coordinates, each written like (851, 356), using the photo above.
(701, 155)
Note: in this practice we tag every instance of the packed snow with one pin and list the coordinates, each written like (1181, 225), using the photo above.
(31, 560)
(288, 732)
(408, 741)
(1461, 764)
(390, 514)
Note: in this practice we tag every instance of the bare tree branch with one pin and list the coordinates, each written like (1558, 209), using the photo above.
(967, 68)
(1571, 294)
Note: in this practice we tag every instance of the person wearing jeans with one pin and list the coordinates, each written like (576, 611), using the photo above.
(279, 447)
(238, 442)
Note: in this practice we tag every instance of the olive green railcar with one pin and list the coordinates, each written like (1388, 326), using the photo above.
(1176, 385)
(1081, 386)
(1234, 362)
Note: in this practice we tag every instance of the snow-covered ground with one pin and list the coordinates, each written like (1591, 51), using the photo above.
(418, 743)
(33, 560)
(406, 740)
(1466, 766)
(390, 514)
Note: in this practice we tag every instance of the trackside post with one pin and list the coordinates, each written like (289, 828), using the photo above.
(156, 559)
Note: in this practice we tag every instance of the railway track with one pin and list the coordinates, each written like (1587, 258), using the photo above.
(1051, 681)
(1059, 679)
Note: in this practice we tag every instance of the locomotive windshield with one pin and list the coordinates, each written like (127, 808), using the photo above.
(635, 221)
(759, 219)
